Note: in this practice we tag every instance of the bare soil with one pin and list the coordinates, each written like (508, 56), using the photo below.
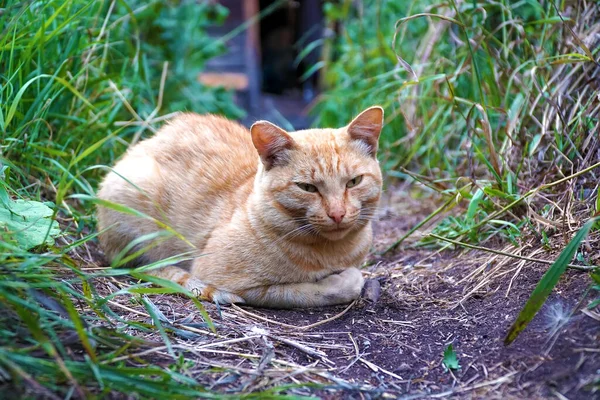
(390, 343)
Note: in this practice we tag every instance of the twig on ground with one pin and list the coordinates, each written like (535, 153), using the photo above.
(305, 349)
(486, 249)
(376, 368)
(356, 357)
(305, 327)
(498, 381)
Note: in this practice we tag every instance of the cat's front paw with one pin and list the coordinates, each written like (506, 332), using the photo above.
(210, 293)
(354, 281)
(345, 286)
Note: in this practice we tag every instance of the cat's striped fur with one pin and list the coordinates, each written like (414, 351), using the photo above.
(247, 205)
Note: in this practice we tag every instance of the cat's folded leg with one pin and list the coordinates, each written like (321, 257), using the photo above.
(339, 288)
(208, 292)
(196, 286)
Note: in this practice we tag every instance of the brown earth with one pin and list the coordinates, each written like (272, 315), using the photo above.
(390, 343)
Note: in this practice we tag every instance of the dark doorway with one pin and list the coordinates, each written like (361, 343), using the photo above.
(284, 33)
(266, 64)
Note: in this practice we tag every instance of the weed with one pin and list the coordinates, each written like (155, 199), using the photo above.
(484, 92)
(79, 80)
(450, 359)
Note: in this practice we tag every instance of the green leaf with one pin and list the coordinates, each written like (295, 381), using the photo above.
(598, 201)
(28, 223)
(174, 287)
(4, 198)
(80, 328)
(499, 194)
(593, 304)
(157, 316)
(535, 142)
(514, 112)
(450, 360)
(317, 66)
(474, 204)
(13, 108)
(309, 48)
(547, 283)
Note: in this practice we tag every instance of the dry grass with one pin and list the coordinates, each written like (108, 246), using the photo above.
(381, 346)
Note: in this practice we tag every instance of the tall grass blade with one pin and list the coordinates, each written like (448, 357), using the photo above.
(547, 283)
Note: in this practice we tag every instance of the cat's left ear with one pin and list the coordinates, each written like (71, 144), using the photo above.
(272, 143)
(366, 128)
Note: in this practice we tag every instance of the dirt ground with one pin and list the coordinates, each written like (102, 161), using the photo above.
(390, 343)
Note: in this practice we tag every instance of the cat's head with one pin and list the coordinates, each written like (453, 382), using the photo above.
(320, 182)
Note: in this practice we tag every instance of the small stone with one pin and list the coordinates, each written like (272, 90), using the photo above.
(403, 367)
(372, 290)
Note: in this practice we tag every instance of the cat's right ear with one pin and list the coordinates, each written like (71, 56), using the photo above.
(272, 143)
(366, 128)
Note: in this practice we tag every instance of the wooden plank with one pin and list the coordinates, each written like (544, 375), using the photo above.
(229, 80)
(252, 53)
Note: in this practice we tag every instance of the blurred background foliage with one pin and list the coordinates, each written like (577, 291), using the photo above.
(83, 73)
(175, 31)
(485, 100)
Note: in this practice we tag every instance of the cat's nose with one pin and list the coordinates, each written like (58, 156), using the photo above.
(337, 215)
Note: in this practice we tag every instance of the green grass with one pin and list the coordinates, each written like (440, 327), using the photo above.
(79, 80)
(482, 101)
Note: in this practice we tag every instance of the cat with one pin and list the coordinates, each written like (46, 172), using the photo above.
(272, 218)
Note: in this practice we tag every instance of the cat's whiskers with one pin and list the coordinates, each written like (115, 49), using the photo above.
(290, 235)
(370, 212)
(374, 210)
(306, 228)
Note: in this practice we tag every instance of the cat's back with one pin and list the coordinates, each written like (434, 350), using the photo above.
(192, 175)
(210, 141)
(192, 162)
(193, 151)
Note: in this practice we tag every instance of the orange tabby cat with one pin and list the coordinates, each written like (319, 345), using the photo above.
(272, 218)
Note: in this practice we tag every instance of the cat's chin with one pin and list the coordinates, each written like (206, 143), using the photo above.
(335, 234)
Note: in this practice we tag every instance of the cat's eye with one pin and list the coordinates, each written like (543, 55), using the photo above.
(307, 187)
(353, 182)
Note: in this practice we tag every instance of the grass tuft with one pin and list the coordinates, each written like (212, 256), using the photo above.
(79, 81)
(494, 95)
